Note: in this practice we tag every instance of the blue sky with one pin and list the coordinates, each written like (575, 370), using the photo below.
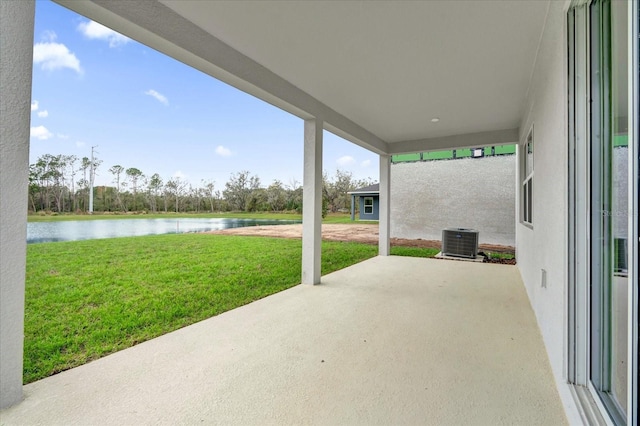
(93, 87)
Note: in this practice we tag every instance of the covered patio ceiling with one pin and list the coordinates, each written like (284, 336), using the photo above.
(376, 73)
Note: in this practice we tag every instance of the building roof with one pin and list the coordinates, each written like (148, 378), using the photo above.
(371, 189)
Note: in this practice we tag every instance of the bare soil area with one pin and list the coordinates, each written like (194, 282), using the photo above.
(367, 234)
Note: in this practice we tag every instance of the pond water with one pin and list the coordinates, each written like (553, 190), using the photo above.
(44, 232)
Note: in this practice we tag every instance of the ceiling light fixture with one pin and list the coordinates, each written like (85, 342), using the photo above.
(435, 120)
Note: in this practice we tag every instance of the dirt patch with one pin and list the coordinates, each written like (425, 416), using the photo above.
(367, 234)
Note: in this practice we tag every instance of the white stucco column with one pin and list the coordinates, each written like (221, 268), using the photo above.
(16, 59)
(384, 237)
(312, 202)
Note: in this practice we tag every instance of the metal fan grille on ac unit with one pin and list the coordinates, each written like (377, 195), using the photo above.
(460, 242)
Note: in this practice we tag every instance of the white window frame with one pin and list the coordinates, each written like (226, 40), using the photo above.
(365, 205)
(526, 181)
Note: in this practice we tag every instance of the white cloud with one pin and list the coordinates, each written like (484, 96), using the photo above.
(222, 151)
(159, 97)
(345, 160)
(53, 56)
(80, 144)
(49, 36)
(41, 133)
(365, 163)
(63, 136)
(35, 105)
(93, 30)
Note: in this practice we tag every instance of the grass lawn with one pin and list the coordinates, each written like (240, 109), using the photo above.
(87, 299)
(494, 255)
(346, 218)
(414, 251)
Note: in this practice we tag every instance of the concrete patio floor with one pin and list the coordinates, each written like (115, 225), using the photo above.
(392, 340)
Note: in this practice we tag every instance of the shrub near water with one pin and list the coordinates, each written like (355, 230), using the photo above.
(86, 299)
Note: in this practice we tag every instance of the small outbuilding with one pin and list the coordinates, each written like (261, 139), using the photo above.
(369, 202)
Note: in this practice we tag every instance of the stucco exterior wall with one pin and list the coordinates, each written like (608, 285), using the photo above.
(478, 193)
(544, 246)
(16, 47)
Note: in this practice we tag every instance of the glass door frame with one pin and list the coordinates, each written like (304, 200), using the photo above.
(581, 268)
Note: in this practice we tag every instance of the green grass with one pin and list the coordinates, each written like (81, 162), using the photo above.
(414, 251)
(495, 255)
(346, 218)
(86, 299)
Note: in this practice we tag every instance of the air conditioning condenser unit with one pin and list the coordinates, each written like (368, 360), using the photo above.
(460, 242)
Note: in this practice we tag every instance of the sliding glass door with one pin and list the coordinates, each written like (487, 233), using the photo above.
(609, 293)
(601, 293)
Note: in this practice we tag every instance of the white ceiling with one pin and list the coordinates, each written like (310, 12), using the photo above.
(376, 71)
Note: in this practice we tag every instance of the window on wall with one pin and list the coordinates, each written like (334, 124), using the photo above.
(527, 180)
(599, 198)
(368, 205)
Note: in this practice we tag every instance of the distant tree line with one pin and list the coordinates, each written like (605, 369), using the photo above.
(60, 183)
